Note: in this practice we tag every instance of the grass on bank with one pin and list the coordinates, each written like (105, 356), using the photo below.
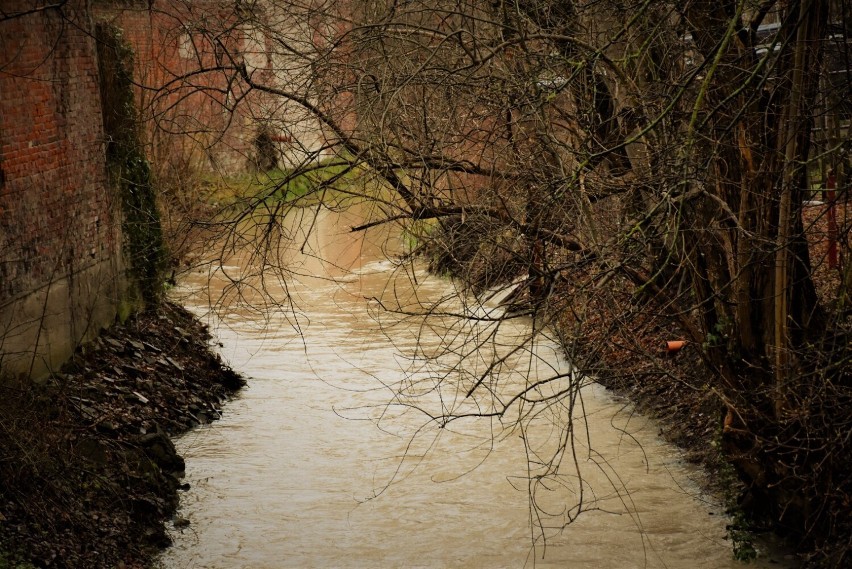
(333, 179)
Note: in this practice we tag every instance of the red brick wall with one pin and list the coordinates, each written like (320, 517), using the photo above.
(57, 214)
(188, 115)
(61, 276)
(61, 261)
(199, 115)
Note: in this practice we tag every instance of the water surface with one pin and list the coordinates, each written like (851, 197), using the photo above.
(327, 459)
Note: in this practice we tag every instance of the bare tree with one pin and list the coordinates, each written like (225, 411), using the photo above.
(644, 160)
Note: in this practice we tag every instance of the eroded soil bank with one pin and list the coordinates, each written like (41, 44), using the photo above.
(623, 345)
(88, 473)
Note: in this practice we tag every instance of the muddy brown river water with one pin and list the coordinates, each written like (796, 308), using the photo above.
(328, 458)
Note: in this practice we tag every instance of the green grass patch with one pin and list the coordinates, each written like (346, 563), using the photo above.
(290, 186)
(303, 186)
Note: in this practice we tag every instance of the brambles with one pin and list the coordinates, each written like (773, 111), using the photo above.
(630, 170)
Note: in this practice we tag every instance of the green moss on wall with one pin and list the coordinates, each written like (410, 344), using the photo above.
(129, 170)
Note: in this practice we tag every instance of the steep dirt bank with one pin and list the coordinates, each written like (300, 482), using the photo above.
(674, 388)
(88, 474)
(622, 343)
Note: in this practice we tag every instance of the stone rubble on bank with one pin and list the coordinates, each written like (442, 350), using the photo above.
(88, 472)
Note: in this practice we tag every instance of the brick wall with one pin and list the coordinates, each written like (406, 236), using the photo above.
(61, 262)
(199, 115)
(191, 119)
(59, 224)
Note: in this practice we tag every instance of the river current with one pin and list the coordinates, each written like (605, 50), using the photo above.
(339, 453)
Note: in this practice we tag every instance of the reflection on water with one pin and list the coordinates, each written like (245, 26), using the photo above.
(327, 459)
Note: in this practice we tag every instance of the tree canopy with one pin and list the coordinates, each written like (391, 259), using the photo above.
(613, 162)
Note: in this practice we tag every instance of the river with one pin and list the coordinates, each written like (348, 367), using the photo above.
(328, 457)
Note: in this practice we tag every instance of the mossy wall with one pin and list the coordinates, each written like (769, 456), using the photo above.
(129, 169)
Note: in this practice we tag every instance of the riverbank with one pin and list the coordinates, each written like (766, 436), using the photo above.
(89, 475)
(786, 475)
(672, 387)
(622, 343)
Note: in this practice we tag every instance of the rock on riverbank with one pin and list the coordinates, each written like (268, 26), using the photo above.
(88, 473)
